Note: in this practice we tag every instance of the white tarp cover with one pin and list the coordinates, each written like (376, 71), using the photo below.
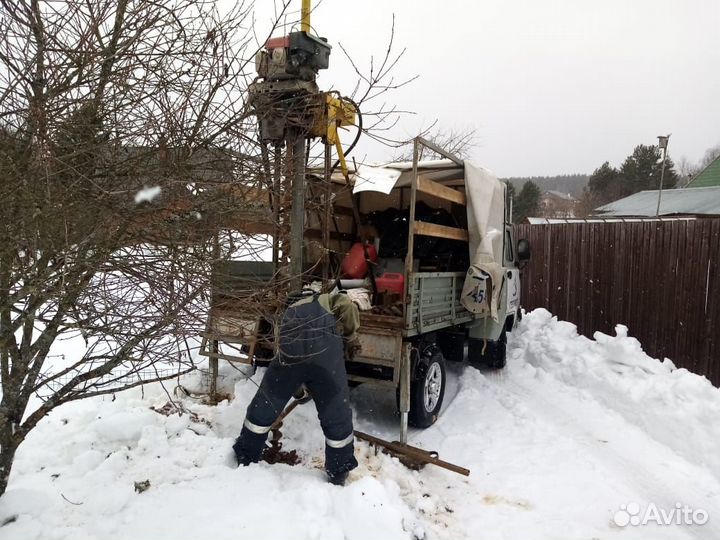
(486, 223)
(380, 179)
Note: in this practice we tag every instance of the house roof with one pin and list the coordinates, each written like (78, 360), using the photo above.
(701, 200)
(602, 219)
(709, 176)
(559, 195)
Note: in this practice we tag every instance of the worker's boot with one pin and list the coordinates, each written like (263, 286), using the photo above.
(248, 447)
(338, 479)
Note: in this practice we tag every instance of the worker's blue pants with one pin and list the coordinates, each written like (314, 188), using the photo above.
(311, 353)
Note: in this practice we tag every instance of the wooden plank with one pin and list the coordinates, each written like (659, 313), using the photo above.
(666, 322)
(410, 256)
(571, 248)
(444, 153)
(606, 277)
(653, 295)
(375, 321)
(679, 249)
(619, 255)
(368, 380)
(425, 185)
(671, 325)
(546, 274)
(578, 282)
(712, 294)
(586, 323)
(698, 324)
(439, 231)
(559, 258)
(640, 319)
(636, 279)
(686, 360)
(603, 279)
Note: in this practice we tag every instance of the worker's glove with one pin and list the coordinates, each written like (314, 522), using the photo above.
(302, 394)
(352, 347)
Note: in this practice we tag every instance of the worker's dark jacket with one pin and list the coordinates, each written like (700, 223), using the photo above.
(310, 353)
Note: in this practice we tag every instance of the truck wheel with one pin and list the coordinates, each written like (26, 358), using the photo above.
(427, 389)
(495, 352)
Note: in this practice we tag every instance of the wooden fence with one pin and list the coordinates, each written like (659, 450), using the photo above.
(659, 278)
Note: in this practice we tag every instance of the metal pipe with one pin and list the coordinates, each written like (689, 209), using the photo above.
(327, 204)
(444, 153)
(664, 141)
(411, 233)
(277, 201)
(404, 391)
(305, 16)
(297, 215)
(411, 456)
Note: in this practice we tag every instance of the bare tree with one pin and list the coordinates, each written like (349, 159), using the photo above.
(711, 154)
(459, 142)
(373, 83)
(126, 149)
(686, 170)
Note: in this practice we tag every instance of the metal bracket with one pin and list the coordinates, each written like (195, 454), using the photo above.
(404, 391)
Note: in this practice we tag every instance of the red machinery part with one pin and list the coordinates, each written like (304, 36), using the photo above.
(354, 265)
(278, 43)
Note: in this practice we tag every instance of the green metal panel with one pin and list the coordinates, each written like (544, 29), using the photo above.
(708, 177)
(435, 302)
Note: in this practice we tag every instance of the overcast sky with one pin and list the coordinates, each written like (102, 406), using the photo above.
(551, 87)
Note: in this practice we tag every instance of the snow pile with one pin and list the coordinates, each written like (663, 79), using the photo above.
(147, 194)
(676, 407)
(556, 443)
(84, 461)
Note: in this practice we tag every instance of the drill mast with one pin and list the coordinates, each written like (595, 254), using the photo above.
(291, 111)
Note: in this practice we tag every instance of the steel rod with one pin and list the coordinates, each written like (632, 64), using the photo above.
(404, 391)
(412, 452)
(277, 201)
(327, 209)
(444, 153)
(297, 214)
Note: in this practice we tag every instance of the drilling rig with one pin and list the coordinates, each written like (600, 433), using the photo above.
(398, 347)
(291, 112)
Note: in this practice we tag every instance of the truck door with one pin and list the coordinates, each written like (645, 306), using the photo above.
(512, 274)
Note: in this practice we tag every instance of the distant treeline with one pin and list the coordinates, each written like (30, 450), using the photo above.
(564, 183)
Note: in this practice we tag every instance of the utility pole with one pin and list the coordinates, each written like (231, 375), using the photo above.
(663, 141)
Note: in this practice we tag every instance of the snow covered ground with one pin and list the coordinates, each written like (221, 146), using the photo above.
(558, 444)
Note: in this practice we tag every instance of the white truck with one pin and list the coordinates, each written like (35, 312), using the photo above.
(444, 226)
(443, 310)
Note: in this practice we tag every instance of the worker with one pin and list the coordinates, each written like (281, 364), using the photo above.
(310, 353)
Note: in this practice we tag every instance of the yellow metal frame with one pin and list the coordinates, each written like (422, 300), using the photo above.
(338, 114)
(305, 16)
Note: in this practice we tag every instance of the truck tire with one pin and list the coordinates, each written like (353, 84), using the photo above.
(427, 388)
(495, 356)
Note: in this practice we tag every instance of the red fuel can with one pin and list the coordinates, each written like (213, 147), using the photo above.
(390, 282)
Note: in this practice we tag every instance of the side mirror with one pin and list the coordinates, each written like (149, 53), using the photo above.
(523, 250)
